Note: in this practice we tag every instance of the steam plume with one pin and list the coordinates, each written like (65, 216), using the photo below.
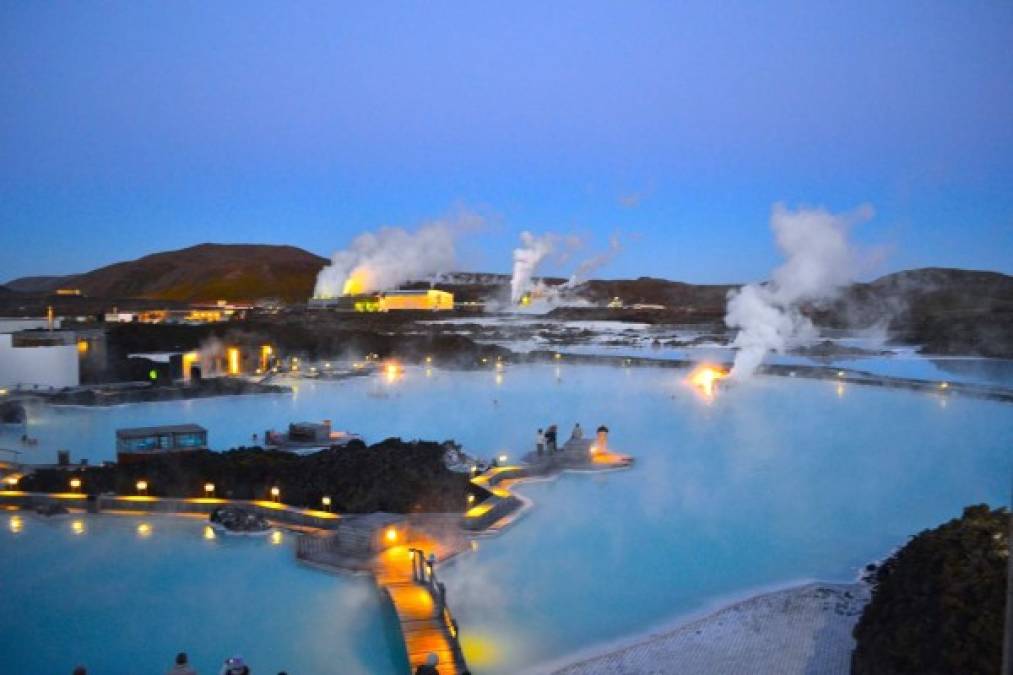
(589, 266)
(391, 256)
(527, 258)
(818, 262)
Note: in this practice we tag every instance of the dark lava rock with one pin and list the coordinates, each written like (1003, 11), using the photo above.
(235, 519)
(51, 510)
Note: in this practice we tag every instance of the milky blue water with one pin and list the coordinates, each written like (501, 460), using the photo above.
(770, 482)
(101, 594)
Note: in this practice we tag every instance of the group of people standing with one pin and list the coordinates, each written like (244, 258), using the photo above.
(547, 440)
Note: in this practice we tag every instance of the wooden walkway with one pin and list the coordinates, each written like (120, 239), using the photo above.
(426, 626)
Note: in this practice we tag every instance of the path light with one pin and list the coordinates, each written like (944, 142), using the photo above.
(471, 499)
(326, 502)
(474, 469)
(142, 486)
(276, 493)
(502, 459)
(12, 481)
(944, 385)
(840, 373)
(209, 489)
(391, 535)
(429, 359)
(75, 484)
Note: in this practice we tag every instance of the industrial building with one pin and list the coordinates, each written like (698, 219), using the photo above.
(428, 300)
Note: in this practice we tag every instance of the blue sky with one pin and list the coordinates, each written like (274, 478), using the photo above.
(132, 127)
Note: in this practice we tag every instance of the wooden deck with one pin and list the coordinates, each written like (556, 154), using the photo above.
(424, 626)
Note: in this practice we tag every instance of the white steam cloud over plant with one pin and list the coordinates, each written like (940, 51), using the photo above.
(819, 261)
(391, 256)
(532, 251)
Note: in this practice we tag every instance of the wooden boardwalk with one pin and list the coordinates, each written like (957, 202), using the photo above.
(426, 626)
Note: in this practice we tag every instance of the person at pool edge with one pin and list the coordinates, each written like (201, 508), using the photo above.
(540, 441)
(577, 432)
(550, 438)
(429, 667)
(182, 666)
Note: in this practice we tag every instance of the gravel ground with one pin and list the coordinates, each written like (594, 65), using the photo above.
(804, 630)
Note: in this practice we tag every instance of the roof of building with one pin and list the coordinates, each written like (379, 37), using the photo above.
(142, 432)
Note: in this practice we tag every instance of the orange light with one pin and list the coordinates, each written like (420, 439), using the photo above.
(393, 370)
(391, 535)
(705, 377)
(276, 492)
(357, 283)
(233, 357)
(82, 346)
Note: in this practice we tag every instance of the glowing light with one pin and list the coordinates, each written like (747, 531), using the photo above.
(502, 459)
(209, 532)
(429, 372)
(326, 501)
(77, 527)
(471, 499)
(276, 493)
(276, 537)
(705, 377)
(144, 530)
(499, 378)
(840, 390)
(152, 374)
(3, 392)
(840, 373)
(12, 480)
(357, 283)
(391, 535)
(142, 485)
(558, 356)
(209, 489)
(429, 359)
(16, 524)
(232, 353)
(75, 484)
(481, 651)
(944, 385)
(393, 371)
(82, 346)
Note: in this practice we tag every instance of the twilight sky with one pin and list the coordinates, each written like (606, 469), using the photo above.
(132, 127)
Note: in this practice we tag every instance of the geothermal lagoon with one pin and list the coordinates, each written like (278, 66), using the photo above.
(766, 484)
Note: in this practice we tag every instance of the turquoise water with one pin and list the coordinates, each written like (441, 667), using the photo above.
(95, 590)
(768, 483)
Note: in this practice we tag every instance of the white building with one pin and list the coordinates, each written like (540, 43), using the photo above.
(43, 365)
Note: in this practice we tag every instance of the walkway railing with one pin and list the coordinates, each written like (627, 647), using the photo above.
(424, 573)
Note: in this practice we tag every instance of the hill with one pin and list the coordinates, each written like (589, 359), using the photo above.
(205, 272)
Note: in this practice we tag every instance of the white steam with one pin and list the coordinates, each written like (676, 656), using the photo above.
(389, 257)
(593, 264)
(818, 262)
(527, 258)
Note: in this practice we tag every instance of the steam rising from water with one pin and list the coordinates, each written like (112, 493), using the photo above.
(391, 256)
(527, 258)
(591, 265)
(819, 261)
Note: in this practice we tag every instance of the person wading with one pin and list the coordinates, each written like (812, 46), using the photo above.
(182, 666)
(429, 667)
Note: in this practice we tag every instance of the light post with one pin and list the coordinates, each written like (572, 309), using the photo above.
(325, 501)
(209, 490)
(142, 487)
(276, 494)
(75, 484)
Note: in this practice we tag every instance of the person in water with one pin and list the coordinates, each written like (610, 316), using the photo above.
(182, 666)
(429, 667)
